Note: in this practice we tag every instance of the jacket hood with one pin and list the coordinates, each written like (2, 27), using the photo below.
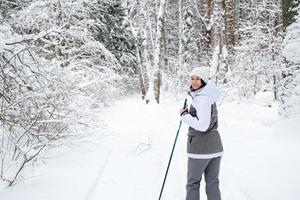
(209, 90)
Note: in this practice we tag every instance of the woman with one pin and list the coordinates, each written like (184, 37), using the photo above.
(204, 145)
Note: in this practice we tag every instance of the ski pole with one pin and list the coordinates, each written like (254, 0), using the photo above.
(162, 187)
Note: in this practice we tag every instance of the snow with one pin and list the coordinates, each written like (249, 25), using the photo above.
(264, 98)
(128, 156)
(291, 42)
(290, 84)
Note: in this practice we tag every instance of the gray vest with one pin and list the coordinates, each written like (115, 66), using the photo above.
(207, 142)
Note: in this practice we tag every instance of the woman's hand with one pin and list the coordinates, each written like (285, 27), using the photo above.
(182, 111)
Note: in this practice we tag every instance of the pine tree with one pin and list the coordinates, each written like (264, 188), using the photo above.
(289, 11)
(113, 30)
(290, 90)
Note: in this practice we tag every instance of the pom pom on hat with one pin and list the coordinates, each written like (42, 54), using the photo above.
(202, 72)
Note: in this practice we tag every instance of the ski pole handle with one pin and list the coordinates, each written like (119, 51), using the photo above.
(184, 105)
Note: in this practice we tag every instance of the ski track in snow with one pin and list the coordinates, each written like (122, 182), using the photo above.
(100, 173)
(135, 147)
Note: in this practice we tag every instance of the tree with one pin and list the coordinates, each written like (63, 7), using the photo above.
(158, 61)
(112, 29)
(198, 27)
(289, 11)
(218, 34)
(57, 63)
(32, 118)
(290, 90)
(139, 28)
(258, 52)
(230, 28)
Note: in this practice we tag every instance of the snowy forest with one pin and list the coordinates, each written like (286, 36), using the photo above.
(62, 61)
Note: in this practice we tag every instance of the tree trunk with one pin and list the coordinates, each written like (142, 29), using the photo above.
(219, 65)
(142, 50)
(208, 9)
(230, 24)
(180, 45)
(139, 71)
(158, 51)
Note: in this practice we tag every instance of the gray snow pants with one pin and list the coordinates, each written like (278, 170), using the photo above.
(210, 168)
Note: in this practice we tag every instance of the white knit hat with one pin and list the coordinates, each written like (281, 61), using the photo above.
(202, 72)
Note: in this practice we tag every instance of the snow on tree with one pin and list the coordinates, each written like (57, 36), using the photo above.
(258, 52)
(60, 60)
(138, 23)
(219, 63)
(32, 116)
(56, 67)
(289, 11)
(158, 61)
(290, 90)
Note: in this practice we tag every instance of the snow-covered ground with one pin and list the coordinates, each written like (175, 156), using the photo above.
(129, 157)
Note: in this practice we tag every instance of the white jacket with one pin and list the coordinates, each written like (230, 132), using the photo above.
(202, 100)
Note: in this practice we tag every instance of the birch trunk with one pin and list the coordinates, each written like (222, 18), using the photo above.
(158, 50)
(139, 71)
(180, 46)
(141, 50)
(219, 67)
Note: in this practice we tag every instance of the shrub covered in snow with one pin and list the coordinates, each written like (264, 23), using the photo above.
(54, 71)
